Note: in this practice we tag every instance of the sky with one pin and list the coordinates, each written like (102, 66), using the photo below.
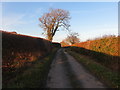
(89, 19)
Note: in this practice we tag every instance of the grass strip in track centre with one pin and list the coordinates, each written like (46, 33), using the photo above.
(35, 76)
(112, 79)
(70, 73)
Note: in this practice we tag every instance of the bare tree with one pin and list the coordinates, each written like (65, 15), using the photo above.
(64, 43)
(72, 38)
(53, 21)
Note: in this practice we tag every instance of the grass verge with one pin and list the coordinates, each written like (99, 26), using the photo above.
(110, 78)
(35, 76)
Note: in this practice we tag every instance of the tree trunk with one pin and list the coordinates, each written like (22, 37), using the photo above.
(50, 38)
(49, 35)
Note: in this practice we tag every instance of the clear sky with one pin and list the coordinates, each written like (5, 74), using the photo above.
(89, 19)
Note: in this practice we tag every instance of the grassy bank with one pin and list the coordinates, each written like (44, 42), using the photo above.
(110, 78)
(109, 61)
(107, 44)
(33, 77)
(18, 49)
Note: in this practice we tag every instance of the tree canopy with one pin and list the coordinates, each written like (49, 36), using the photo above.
(53, 21)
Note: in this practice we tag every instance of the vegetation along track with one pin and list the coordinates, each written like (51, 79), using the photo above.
(66, 72)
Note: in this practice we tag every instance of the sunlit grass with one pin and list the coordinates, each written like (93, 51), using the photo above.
(108, 45)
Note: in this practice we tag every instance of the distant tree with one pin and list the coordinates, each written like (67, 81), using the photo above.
(72, 38)
(53, 21)
(64, 43)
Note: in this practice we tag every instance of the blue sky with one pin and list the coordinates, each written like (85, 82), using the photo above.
(89, 19)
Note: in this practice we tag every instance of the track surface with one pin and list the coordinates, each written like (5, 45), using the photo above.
(66, 72)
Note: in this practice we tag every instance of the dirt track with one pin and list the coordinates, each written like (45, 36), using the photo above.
(66, 72)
